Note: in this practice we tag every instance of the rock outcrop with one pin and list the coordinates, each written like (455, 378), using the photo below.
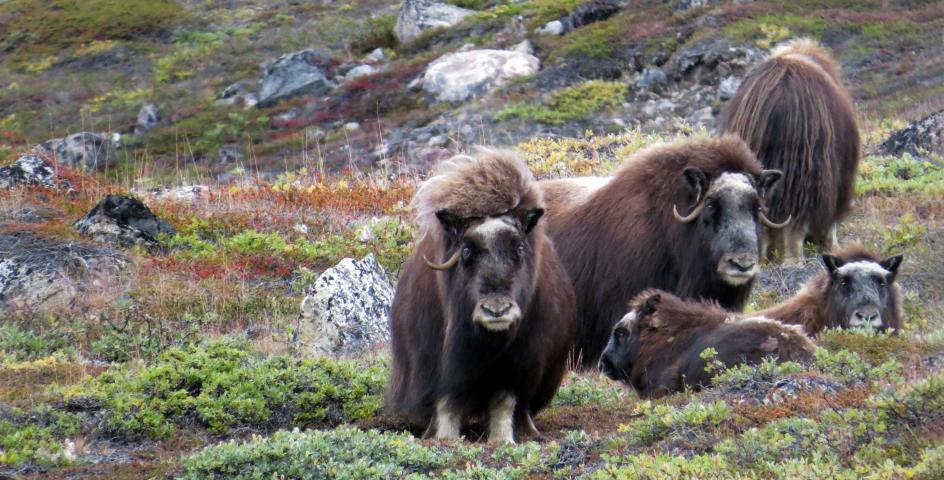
(296, 74)
(926, 136)
(124, 221)
(86, 150)
(39, 275)
(584, 14)
(27, 170)
(346, 309)
(455, 77)
(417, 16)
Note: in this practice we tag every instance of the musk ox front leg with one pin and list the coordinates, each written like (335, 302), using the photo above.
(445, 423)
(501, 419)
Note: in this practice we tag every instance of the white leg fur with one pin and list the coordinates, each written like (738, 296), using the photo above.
(447, 422)
(501, 419)
(793, 248)
(832, 239)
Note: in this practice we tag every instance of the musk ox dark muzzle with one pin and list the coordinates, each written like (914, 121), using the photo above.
(496, 313)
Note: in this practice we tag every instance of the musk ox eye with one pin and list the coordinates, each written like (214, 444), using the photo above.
(844, 282)
(466, 253)
(520, 248)
(881, 282)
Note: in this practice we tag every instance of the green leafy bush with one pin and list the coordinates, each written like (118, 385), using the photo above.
(344, 453)
(38, 443)
(222, 385)
(659, 421)
(590, 390)
(567, 104)
(897, 175)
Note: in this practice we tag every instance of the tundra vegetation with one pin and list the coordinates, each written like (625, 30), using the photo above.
(180, 366)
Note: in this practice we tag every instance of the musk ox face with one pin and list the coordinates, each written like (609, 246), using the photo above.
(622, 350)
(859, 292)
(492, 268)
(727, 215)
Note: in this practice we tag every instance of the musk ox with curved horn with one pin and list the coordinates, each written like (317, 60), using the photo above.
(657, 346)
(683, 217)
(484, 316)
(857, 290)
(794, 113)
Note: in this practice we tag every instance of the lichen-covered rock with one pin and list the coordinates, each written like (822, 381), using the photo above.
(728, 87)
(417, 16)
(147, 119)
(346, 310)
(86, 150)
(711, 60)
(926, 136)
(27, 170)
(296, 74)
(124, 221)
(457, 76)
(652, 78)
(359, 71)
(40, 275)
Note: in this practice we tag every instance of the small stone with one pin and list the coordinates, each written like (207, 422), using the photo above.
(123, 221)
(376, 55)
(295, 74)
(147, 119)
(728, 87)
(352, 126)
(359, 71)
(417, 16)
(552, 28)
(652, 78)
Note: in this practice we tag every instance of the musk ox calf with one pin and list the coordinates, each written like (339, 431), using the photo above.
(856, 290)
(794, 113)
(484, 316)
(657, 346)
(683, 217)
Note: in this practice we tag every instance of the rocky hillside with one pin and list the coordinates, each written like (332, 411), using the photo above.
(194, 195)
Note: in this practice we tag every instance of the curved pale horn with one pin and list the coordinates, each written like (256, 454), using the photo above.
(452, 262)
(769, 223)
(691, 216)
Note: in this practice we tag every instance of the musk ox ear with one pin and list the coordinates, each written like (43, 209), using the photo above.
(769, 180)
(891, 264)
(831, 262)
(696, 180)
(452, 223)
(528, 217)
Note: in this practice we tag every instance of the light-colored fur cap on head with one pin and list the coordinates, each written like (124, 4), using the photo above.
(811, 51)
(490, 182)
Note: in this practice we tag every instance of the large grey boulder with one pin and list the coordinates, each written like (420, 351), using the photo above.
(40, 275)
(85, 151)
(27, 170)
(417, 16)
(455, 77)
(296, 74)
(346, 309)
(926, 136)
(123, 221)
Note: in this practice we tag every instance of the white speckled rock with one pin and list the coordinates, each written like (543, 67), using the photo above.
(346, 310)
(27, 170)
(417, 16)
(457, 76)
(86, 150)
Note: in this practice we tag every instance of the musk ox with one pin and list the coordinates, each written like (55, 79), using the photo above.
(483, 317)
(620, 235)
(794, 113)
(657, 346)
(856, 290)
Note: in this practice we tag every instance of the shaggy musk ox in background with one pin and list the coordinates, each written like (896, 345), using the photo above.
(487, 332)
(793, 111)
(657, 346)
(856, 290)
(618, 236)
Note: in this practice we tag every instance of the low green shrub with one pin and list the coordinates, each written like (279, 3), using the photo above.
(886, 175)
(36, 438)
(590, 390)
(660, 421)
(567, 104)
(222, 385)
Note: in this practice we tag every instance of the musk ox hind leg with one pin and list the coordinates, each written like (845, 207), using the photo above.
(524, 425)
(501, 414)
(445, 423)
(793, 243)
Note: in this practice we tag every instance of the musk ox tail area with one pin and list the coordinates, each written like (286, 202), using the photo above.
(794, 113)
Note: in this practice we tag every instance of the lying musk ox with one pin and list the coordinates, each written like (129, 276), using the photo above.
(794, 113)
(657, 346)
(618, 236)
(486, 332)
(856, 290)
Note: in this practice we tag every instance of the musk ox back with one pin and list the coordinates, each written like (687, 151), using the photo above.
(657, 346)
(857, 290)
(794, 113)
(621, 235)
(483, 317)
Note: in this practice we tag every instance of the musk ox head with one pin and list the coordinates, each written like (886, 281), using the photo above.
(490, 271)
(622, 350)
(860, 292)
(727, 214)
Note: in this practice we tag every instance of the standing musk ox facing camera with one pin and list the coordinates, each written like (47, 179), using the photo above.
(657, 346)
(857, 290)
(486, 332)
(794, 113)
(620, 235)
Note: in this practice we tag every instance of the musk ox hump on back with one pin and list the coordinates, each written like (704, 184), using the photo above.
(484, 316)
(794, 113)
